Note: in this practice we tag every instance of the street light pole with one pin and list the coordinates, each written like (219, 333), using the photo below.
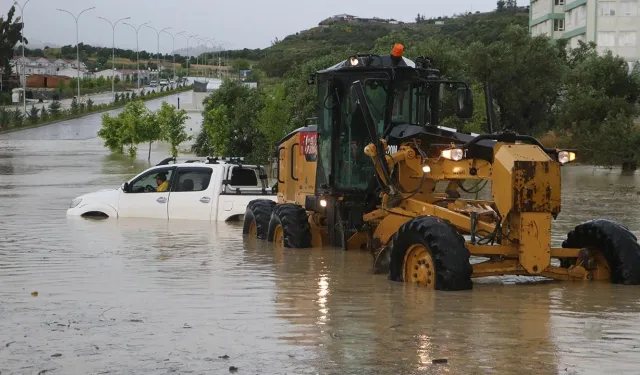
(76, 18)
(113, 59)
(189, 52)
(137, 49)
(204, 41)
(158, 34)
(173, 51)
(24, 77)
(213, 54)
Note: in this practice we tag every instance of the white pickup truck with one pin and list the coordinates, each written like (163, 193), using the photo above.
(214, 189)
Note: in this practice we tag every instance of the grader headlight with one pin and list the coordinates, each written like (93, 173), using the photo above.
(565, 157)
(454, 154)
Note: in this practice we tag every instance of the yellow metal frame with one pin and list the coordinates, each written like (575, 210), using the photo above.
(525, 189)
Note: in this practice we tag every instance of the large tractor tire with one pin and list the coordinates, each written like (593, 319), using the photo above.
(256, 218)
(617, 244)
(289, 227)
(429, 251)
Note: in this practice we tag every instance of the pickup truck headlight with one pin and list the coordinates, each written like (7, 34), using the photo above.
(75, 202)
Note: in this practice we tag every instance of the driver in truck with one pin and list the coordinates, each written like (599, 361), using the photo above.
(161, 181)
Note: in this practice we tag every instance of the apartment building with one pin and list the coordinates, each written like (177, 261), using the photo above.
(613, 24)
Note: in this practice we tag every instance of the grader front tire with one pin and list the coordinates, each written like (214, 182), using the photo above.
(617, 244)
(289, 226)
(429, 251)
(256, 218)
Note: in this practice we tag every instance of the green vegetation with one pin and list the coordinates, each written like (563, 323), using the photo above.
(10, 30)
(137, 125)
(93, 86)
(568, 97)
(14, 119)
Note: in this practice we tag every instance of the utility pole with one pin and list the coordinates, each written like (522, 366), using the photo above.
(113, 59)
(24, 77)
(137, 49)
(173, 51)
(77, 45)
(159, 61)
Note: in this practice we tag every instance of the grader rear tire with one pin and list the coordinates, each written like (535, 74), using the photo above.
(618, 245)
(429, 251)
(289, 226)
(256, 218)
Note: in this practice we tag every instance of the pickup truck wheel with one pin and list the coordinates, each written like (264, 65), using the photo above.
(256, 218)
(289, 227)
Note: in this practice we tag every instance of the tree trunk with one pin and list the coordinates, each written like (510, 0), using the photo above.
(149, 157)
(629, 165)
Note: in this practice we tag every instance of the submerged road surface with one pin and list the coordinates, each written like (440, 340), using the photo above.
(157, 297)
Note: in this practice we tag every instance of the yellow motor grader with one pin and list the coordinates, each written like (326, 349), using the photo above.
(369, 175)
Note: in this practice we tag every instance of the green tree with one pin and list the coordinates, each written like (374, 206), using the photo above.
(150, 130)
(33, 115)
(274, 121)
(240, 64)
(10, 35)
(116, 99)
(90, 104)
(54, 109)
(44, 114)
(111, 133)
(5, 118)
(75, 107)
(172, 123)
(217, 128)
(134, 117)
(17, 117)
(524, 73)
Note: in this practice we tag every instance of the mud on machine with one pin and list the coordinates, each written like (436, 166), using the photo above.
(364, 177)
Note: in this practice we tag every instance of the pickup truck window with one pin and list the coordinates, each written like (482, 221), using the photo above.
(149, 182)
(243, 177)
(192, 179)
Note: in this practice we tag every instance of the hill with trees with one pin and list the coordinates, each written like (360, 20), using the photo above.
(569, 97)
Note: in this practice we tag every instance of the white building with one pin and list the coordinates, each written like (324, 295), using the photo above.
(41, 65)
(108, 73)
(73, 73)
(613, 24)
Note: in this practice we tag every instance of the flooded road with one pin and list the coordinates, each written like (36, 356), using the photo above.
(157, 297)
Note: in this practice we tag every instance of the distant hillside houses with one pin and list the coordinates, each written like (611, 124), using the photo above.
(41, 65)
(344, 18)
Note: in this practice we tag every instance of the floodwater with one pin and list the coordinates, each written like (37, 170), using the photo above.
(157, 297)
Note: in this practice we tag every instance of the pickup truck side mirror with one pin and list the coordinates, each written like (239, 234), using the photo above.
(125, 187)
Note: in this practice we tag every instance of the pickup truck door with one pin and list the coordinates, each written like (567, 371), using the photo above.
(140, 202)
(192, 195)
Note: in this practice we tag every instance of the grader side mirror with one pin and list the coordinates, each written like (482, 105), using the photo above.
(464, 103)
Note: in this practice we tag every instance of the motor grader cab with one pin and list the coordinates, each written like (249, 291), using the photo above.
(365, 177)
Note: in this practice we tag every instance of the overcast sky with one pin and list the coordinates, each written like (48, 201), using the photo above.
(239, 24)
